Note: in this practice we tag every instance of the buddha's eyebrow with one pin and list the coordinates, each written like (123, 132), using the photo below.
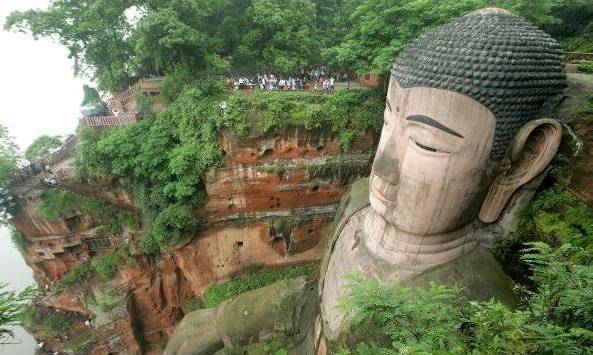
(388, 104)
(434, 123)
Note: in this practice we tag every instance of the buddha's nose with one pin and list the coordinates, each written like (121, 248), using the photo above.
(386, 166)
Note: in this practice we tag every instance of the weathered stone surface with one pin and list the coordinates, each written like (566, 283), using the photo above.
(277, 311)
(275, 316)
(477, 273)
(196, 334)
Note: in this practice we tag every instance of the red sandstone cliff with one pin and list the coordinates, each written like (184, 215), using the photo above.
(268, 207)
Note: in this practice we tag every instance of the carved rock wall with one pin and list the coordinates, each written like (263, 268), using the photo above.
(269, 206)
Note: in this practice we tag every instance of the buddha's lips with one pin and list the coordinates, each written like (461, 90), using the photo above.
(376, 190)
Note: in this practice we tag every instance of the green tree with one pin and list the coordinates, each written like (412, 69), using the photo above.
(10, 157)
(382, 28)
(95, 33)
(162, 41)
(91, 95)
(574, 26)
(41, 146)
(12, 307)
(282, 35)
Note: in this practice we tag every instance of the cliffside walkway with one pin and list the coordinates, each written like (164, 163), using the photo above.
(577, 56)
(41, 164)
(122, 107)
(105, 121)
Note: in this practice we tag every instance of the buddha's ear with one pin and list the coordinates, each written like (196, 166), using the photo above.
(532, 150)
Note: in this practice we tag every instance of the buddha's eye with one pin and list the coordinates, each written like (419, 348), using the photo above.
(426, 147)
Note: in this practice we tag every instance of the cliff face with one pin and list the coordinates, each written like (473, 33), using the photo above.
(269, 206)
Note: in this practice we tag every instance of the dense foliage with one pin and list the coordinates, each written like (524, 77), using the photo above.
(586, 67)
(12, 307)
(10, 157)
(115, 40)
(18, 240)
(347, 113)
(105, 266)
(91, 95)
(216, 294)
(57, 203)
(41, 146)
(382, 28)
(164, 157)
(439, 321)
(51, 323)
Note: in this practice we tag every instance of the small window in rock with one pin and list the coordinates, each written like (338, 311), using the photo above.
(40, 253)
(98, 243)
(268, 151)
(239, 244)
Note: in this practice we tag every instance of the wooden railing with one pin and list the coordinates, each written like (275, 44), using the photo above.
(142, 85)
(65, 151)
(576, 56)
(104, 121)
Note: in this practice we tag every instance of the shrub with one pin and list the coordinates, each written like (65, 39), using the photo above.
(75, 276)
(586, 67)
(18, 240)
(57, 203)
(107, 264)
(144, 103)
(30, 316)
(394, 319)
(56, 324)
(347, 112)
(216, 294)
(555, 217)
(80, 344)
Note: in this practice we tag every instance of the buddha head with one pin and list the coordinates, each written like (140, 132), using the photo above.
(464, 126)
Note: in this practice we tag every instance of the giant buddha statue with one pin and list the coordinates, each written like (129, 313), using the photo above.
(464, 130)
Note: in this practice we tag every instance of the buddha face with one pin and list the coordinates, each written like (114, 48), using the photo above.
(432, 169)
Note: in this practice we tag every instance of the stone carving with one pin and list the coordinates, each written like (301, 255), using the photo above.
(463, 131)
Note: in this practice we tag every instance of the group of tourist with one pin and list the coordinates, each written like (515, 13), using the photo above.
(273, 82)
(314, 78)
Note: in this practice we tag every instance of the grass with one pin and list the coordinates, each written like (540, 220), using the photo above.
(216, 294)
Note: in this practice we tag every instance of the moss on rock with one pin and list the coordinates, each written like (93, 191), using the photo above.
(271, 312)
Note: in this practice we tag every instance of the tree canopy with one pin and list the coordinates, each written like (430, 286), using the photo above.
(12, 307)
(382, 28)
(114, 41)
(9, 157)
(41, 146)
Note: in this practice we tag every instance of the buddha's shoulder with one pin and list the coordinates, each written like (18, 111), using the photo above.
(349, 217)
(354, 200)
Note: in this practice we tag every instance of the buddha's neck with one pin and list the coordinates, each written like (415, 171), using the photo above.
(398, 247)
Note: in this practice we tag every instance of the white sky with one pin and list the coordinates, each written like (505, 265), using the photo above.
(38, 91)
